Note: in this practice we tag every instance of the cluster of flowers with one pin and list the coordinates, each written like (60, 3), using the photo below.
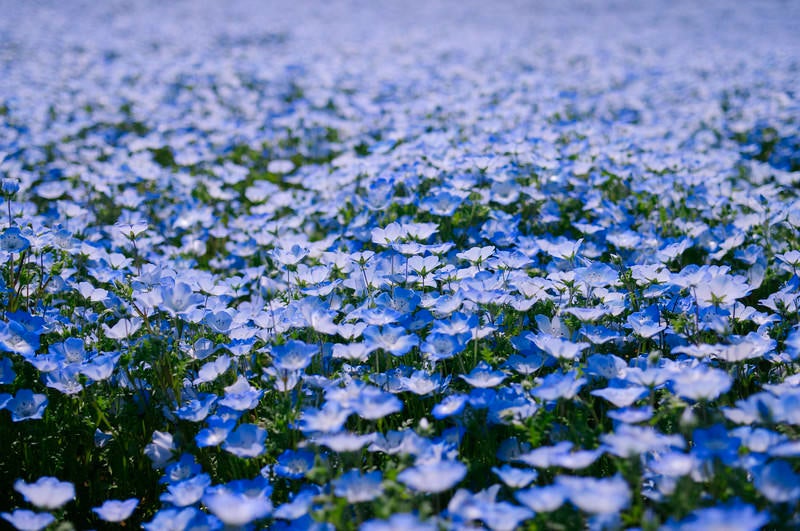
(310, 270)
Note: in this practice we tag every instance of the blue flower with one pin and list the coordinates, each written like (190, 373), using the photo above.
(246, 441)
(515, 477)
(543, 499)
(46, 492)
(596, 496)
(294, 464)
(238, 503)
(298, 506)
(733, 516)
(14, 337)
(777, 482)
(399, 522)
(483, 376)
(433, 477)
(559, 385)
(27, 405)
(186, 492)
(7, 373)
(116, 510)
(186, 518)
(216, 433)
(293, 355)
(357, 487)
(25, 520)
(241, 396)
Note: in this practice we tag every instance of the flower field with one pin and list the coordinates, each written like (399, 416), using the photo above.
(400, 265)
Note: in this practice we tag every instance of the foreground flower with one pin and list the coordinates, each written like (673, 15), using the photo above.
(399, 522)
(27, 405)
(731, 517)
(433, 477)
(46, 492)
(237, 506)
(116, 510)
(357, 487)
(25, 520)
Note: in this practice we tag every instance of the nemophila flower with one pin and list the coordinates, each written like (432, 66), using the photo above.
(449, 406)
(515, 477)
(399, 522)
(433, 477)
(46, 492)
(239, 503)
(606, 366)
(184, 468)
(777, 481)
(293, 355)
(186, 518)
(241, 396)
(123, 329)
(560, 455)
(646, 323)
(596, 496)
(438, 347)
(186, 492)
(16, 338)
(621, 394)
(481, 398)
(715, 443)
(27, 405)
(391, 339)
(631, 415)
(330, 418)
(12, 240)
(422, 383)
(628, 440)
(504, 516)
(298, 506)
(751, 346)
(701, 383)
(294, 464)
(161, 450)
(200, 349)
(7, 373)
(721, 290)
(197, 409)
(350, 331)
(216, 432)
(354, 352)
(246, 441)
(482, 376)
(672, 464)
(357, 487)
(527, 364)
(212, 370)
(558, 385)
(178, 297)
(344, 441)
(116, 510)
(219, 321)
(543, 499)
(101, 367)
(441, 203)
(65, 379)
(405, 442)
(374, 404)
(5, 398)
(733, 516)
(559, 348)
(466, 506)
(25, 520)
